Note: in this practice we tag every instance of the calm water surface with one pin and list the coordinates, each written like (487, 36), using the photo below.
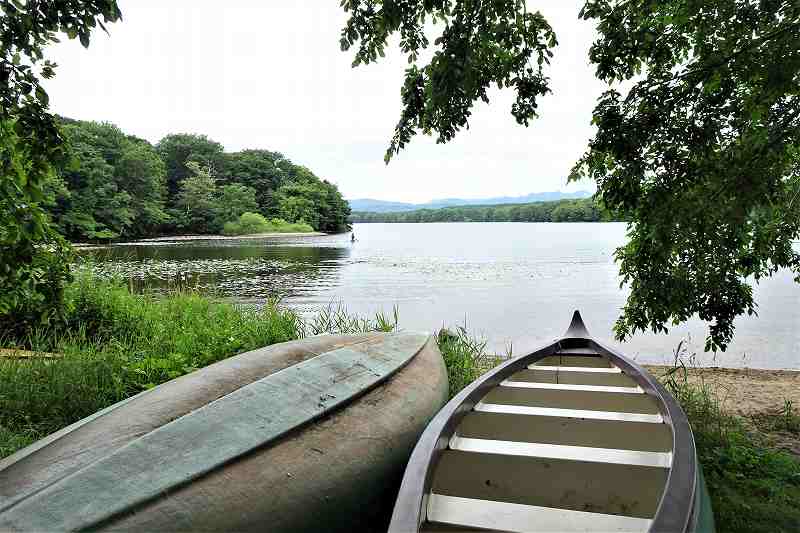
(515, 284)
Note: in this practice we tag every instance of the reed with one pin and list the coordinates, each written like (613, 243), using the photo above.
(336, 319)
(464, 356)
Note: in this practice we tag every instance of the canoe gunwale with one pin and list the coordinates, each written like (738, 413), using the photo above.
(676, 512)
(409, 511)
(676, 509)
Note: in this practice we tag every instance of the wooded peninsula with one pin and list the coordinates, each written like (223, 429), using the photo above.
(115, 186)
(579, 210)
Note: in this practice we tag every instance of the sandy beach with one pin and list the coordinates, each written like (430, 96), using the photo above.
(757, 395)
(746, 391)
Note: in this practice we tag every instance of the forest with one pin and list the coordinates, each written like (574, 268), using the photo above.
(581, 210)
(115, 186)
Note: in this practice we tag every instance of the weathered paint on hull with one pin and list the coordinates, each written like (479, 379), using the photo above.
(330, 473)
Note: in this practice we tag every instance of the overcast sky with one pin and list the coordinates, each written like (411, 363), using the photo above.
(256, 74)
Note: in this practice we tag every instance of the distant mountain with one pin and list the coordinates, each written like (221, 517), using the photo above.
(383, 206)
(379, 206)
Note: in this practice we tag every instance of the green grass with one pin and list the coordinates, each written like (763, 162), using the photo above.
(753, 487)
(116, 344)
(336, 319)
(464, 356)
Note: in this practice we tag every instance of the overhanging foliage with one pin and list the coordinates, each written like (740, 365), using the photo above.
(700, 155)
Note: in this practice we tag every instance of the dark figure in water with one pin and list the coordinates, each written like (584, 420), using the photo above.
(353, 237)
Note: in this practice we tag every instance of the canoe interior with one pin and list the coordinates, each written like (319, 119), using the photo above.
(570, 442)
(568, 431)
(563, 484)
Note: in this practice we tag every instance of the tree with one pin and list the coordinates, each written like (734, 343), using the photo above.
(33, 257)
(115, 184)
(143, 175)
(335, 217)
(580, 210)
(196, 206)
(259, 169)
(234, 200)
(299, 203)
(95, 208)
(178, 150)
(482, 43)
(700, 155)
(313, 201)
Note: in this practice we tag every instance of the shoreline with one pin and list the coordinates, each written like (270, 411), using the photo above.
(189, 238)
(226, 237)
(744, 391)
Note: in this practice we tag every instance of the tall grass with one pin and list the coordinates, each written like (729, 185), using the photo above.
(335, 319)
(464, 356)
(753, 488)
(786, 419)
(114, 343)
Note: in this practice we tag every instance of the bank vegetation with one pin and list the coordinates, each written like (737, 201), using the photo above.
(115, 186)
(578, 210)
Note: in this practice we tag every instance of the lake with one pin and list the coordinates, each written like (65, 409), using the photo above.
(515, 284)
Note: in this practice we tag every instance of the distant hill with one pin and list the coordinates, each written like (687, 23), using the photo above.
(379, 206)
(383, 206)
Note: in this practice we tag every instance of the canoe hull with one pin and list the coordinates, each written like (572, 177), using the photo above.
(331, 472)
(332, 475)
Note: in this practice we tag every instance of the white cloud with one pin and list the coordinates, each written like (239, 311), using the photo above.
(254, 74)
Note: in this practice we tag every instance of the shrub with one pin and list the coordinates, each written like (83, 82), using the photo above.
(252, 223)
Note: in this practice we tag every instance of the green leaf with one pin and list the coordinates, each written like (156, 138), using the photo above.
(42, 96)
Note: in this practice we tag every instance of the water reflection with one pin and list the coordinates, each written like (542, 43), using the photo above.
(242, 270)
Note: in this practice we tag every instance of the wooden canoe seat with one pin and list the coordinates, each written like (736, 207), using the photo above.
(529, 454)
(591, 361)
(616, 379)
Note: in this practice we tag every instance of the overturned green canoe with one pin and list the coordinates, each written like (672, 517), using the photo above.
(298, 436)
